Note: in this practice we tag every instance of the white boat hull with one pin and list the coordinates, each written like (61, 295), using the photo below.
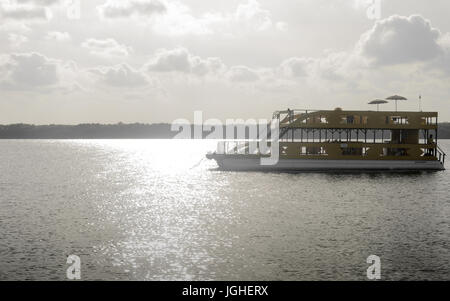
(234, 163)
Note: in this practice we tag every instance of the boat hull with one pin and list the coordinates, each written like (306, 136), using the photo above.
(237, 163)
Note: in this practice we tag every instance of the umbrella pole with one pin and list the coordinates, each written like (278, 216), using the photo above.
(378, 108)
(396, 105)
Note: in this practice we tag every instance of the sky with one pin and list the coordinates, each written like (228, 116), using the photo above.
(150, 61)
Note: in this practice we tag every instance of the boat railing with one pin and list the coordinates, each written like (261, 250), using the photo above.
(441, 154)
(250, 147)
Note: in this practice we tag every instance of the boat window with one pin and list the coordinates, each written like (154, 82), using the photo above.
(303, 150)
(365, 151)
(395, 152)
(313, 150)
(352, 151)
(398, 120)
(431, 120)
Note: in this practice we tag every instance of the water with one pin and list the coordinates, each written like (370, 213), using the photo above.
(154, 210)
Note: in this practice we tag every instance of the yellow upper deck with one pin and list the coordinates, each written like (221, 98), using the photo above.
(357, 119)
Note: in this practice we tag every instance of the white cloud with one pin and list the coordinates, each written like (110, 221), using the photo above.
(120, 76)
(239, 56)
(16, 40)
(360, 4)
(251, 16)
(282, 26)
(242, 74)
(331, 66)
(177, 18)
(131, 8)
(106, 48)
(57, 36)
(25, 71)
(396, 40)
(444, 41)
(39, 2)
(399, 39)
(297, 66)
(14, 27)
(26, 11)
(12, 11)
(181, 60)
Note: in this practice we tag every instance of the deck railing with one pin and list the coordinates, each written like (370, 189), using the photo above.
(355, 119)
(339, 150)
(441, 155)
(243, 147)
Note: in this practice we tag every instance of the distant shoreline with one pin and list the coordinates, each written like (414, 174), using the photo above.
(114, 131)
(62, 139)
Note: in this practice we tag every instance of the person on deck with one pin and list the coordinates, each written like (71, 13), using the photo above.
(430, 141)
(289, 114)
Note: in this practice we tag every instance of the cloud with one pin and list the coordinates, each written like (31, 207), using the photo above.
(120, 76)
(15, 27)
(399, 40)
(297, 66)
(36, 72)
(106, 48)
(331, 66)
(131, 8)
(177, 18)
(16, 40)
(242, 74)
(394, 41)
(251, 16)
(57, 36)
(444, 40)
(24, 12)
(181, 60)
(282, 26)
(26, 71)
(39, 2)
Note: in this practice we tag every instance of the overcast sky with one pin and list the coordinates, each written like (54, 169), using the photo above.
(160, 60)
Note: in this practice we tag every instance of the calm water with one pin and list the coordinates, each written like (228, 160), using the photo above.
(154, 210)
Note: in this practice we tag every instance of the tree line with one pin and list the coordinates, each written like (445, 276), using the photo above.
(113, 131)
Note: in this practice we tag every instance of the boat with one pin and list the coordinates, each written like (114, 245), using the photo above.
(339, 140)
